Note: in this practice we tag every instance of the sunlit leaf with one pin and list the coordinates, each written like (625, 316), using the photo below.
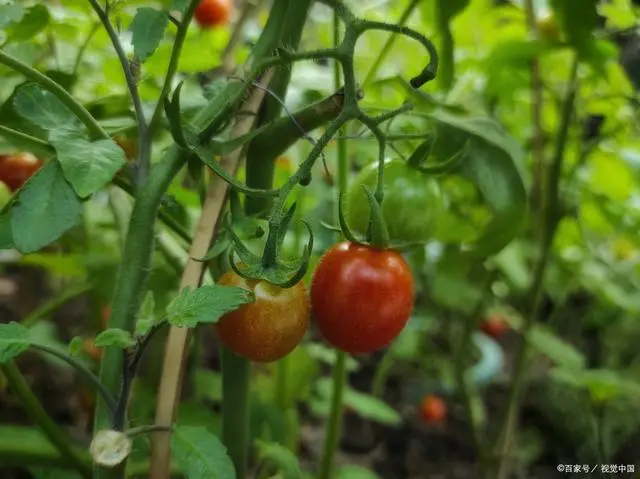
(285, 461)
(34, 20)
(148, 28)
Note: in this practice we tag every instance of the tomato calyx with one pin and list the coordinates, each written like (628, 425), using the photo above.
(378, 233)
(268, 267)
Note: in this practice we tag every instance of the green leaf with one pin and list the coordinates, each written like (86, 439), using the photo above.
(46, 208)
(603, 384)
(76, 346)
(115, 337)
(578, 19)
(146, 316)
(448, 9)
(44, 109)
(179, 5)
(14, 340)
(148, 27)
(279, 456)
(206, 304)
(88, 166)
(32, 22)
(49, 473)
(356, 472)
(200, 454)
(10, 14)
(560, 352)
(494, 162)
(6, 235)
(362, 404)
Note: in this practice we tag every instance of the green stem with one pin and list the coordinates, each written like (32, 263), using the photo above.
(382, 373)
(388, 45)
(236, 376)
(45, 310)
(37, 413)
(83, 370)
(550, 225)
(332, 438)
(334, 426)
(83, 48)
(134, 270)
(48, 84)
(173, 65)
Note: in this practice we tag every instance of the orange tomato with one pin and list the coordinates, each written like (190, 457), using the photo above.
(494, 326)
(433, 409)
(212, 13)
(270, 327)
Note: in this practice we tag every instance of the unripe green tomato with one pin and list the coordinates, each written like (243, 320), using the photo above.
(5, 194)
(411, 205)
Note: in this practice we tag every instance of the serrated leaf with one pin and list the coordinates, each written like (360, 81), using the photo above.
(206, 304)
(179, 5)
(118, 338)
(76, 346)
(148, 27)
(14, 340)
(44, 109)
(46, 208)
(559, 351)
(146, 316)
(34, 20)
(88, 166)
(200, 454)
(494, 162)
(282, 458)
(10, 14)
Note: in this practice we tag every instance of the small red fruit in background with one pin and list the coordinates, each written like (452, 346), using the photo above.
(213, 13)
(433, 409)
(16, 169)
(494, 326)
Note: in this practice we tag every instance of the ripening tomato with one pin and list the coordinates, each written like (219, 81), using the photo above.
(433, 409)
(16, 169)
(494, 326)
(361, 297)
(411, 205)
(212, 13)
(270, 327)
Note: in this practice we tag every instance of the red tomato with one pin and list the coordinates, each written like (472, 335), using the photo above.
(16, 169)
(433, 409)
(361, 297)
(212, 13)
(270, 327)
(494, 326)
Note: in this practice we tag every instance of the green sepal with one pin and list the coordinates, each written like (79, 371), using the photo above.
(379, 231)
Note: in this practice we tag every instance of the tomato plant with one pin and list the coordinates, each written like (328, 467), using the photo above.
(269, 328)
(548, 27)
(494, 326)
(411, 205)
(361, 297)
(17, 168)
(213, 13)
(433, 409)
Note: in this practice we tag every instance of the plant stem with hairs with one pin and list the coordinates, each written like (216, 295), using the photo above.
(551, 218)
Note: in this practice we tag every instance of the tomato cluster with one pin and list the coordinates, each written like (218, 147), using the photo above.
(16, 169)
(361, 297)
(212, 13)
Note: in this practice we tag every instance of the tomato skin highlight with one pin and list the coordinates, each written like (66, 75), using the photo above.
(269, 328)
(212, 13)
(16, 169)
(411, 206)
(494, 326)
(433, 409)
(361, 298)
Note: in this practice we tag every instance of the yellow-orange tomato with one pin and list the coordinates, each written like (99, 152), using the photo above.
(433, 409)
(270, 327)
